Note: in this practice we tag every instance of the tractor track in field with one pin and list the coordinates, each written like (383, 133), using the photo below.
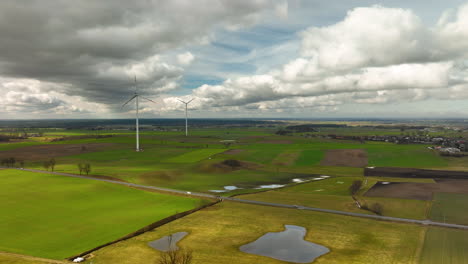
(233, 199)
(31, 258)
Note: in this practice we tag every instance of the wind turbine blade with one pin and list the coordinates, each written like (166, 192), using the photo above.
(129, 100)
(190, 100)
(148, 99)
(182, 101)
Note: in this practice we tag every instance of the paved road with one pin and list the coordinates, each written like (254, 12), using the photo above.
(233, 199)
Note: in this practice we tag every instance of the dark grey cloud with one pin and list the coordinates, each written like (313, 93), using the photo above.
(94, 48)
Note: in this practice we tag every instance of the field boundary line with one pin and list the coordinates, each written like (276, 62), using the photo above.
(422, 239)
(145, 229)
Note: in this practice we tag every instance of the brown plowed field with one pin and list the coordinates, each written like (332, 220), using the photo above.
(417, 191)
(414, 173)
(41, 152)
(345, 157)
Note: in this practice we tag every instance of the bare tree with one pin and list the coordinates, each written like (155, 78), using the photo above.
(173, 256)
(80, 168)
(87, 168)
(52, 164)
(355, 187)
(377, 208)
(46, 165)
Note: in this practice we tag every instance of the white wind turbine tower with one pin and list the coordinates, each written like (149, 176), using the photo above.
(186, 116)
(136, 96)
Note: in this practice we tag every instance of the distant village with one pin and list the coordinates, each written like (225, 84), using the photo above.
(446, 146)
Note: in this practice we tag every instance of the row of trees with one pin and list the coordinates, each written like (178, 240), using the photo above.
(354, 188)
(47, 165)
(84, 168)
(12, 162)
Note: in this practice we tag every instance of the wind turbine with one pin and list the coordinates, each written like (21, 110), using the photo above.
(136, 96)
(186, 117)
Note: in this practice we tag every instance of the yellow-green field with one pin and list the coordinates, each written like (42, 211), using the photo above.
(216, 233)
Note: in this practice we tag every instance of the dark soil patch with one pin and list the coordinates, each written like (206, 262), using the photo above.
(232, 165)
(345, 157)
(414, 173)
(42, 152)
(233, 151)
(227, 166)
(417, 191)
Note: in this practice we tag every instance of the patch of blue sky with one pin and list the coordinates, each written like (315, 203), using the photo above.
(193, 81)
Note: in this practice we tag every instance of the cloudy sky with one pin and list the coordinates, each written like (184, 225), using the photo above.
(243, 58)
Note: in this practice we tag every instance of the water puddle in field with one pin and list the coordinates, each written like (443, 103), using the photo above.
(226, 189)
(270, 186)
(167, 243)
(288, 245)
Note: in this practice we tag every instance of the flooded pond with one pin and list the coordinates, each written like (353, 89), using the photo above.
(288, 245)
(168, 242)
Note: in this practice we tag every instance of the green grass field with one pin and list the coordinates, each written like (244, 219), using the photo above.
(216, 233)
(310, 158)
(450, 208)
(195, 156)
(56, 217)
(445, 246)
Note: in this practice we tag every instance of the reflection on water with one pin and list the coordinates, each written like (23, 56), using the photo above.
(288, 245)
(168, 242)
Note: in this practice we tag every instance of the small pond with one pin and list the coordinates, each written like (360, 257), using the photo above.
(168, 242)
(231, 188)
(288, 245)
(270, 186)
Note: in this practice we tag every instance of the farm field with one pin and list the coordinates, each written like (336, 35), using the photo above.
(333, 193)
(443, 245)
(217, 232)
(194, 156)
(172, 160)
(200, 163)
(417, 190)
(450, 208)
(56, 217)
